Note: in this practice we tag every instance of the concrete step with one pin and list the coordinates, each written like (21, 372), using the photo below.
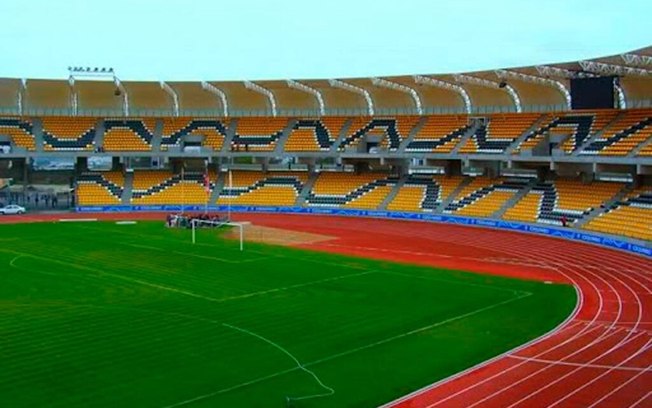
(392, 194)
(536, 125)
(280, 144)
(219, 186)
(597, 134)
(340, 138)
(451, 197)
(230, 132)
(465, 137)
(127, 193)
(640, 147)
(157, 136)
(99, 133)
(405, 143)
(37, 129)
(602, 209)
(307, 188)
(515, 199)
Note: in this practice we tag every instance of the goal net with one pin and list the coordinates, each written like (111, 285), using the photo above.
(197, 223)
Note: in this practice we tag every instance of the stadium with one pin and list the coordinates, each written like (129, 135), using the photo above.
(466, 239)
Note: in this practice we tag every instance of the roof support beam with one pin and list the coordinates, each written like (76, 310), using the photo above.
(208, 87)
(125, 96)
(263, 91)
(548, 71)
(492, 84)
(504, 74)
(73, 96)
(424, 80)
(637, 60)
(336, 83)
(19, 97)
(383, 83)
(175, 98)
(611, 69)
(312, 91)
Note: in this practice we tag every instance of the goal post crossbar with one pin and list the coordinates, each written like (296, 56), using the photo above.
(195, 223)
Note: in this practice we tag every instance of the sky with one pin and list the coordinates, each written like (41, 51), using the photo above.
(217, 40)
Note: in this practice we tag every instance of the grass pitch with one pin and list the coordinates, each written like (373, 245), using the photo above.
(106, 315)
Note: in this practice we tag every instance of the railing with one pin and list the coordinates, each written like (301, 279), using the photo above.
(308, 113)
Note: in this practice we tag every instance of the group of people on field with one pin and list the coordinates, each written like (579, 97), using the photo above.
(186, 221)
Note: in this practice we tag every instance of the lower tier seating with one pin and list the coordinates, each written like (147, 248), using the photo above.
(631, 217)
(165, 188)
(262, 189)
(100, 188)
(341, 189)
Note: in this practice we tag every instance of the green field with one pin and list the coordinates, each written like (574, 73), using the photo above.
(106, 315)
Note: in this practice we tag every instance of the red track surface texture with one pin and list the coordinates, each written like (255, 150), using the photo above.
(601, 356)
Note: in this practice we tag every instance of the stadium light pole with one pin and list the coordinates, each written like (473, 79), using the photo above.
(98, 74)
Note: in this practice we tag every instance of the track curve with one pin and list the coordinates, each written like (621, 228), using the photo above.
(601, 356)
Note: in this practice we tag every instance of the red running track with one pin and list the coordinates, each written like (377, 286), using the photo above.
(601, 356)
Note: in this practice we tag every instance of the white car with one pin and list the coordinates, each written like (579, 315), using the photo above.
(12, 209)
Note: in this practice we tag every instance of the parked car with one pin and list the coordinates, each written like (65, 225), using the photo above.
(12, 209)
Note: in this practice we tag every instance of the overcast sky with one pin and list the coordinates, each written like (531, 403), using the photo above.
(277, 39)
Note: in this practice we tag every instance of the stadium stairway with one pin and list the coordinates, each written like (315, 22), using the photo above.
(127, 192)
(536, 125)
(307, 188)
(413, 132)
(157, 136)
(340, 138)
(515, 199)
(640, 147)
(603, 208)
(218, 186)
(447, 200)
(230, 133)
(392, 194)
(280, 144)
(587, 142)
(37, 131)
(465, 137)
(99, 133)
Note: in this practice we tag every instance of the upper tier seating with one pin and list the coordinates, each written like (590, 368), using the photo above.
(390, 132)
(128, 135)
(646, 151)
(313, 135)
(20, 131)
(423, 192)
(439, 134)
(163, 187)
(342, 189)
(103, 188)
(548, 202)
(258, 134)
(175, 129)
(500, 133)
(483, 196)
(257, 188)
(577, 126)
(631, 217)
(63, 133)
(631, 129)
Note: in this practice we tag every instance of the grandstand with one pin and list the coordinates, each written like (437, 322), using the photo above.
(467, 149)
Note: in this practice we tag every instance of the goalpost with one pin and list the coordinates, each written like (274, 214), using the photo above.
(216, 224)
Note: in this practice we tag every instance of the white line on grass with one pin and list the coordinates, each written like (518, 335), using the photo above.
(181, 291)
(350, 351)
